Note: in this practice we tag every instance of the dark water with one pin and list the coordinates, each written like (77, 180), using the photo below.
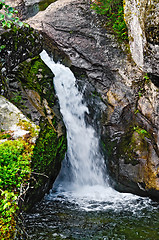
(87, 209)
(59, 219)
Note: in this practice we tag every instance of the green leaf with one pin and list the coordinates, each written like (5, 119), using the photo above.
(8, 24)
(9, 15)
(6, 6)
(26, 25)
(16, 19)
(2, 47)
(20, 24)
(10, 9)
(4, 23)
(1, 16)
(1, 5)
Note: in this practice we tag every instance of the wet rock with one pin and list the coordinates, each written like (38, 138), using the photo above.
(128, 127)
(20, 45)
(28, 83)
(37, 100)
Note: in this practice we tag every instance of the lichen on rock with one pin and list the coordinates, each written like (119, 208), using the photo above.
(142, 18)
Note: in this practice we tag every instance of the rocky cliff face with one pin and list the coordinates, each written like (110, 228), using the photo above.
(142, 18)
(128, 113)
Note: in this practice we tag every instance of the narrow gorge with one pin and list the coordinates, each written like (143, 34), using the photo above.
(88, 106)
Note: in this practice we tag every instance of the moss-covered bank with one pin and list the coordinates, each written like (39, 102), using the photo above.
(36, 99)
(28, 83)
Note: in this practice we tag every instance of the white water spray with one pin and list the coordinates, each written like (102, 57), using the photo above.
(87, 187)
(83, 154)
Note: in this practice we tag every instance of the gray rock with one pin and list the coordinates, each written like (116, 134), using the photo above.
(128, 126)
(10, 117)
(142, 19)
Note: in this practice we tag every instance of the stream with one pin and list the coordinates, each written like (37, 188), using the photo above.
(82, 204)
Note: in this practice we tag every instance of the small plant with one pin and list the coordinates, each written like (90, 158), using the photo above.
(2, 47)
(146, 77)
(114, 13)
(5, 135)
(8, 208)
(17, 98)
(15, 157)
(9, 19)
(140, 94)
(142, 132)
(136, 111)
(8, 16)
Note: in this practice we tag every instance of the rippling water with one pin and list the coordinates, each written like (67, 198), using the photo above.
(81, 204)
(59, 218)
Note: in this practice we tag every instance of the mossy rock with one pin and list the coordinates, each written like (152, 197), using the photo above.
(20, 44)
(48, 154)
(133, 146)
(37, 99)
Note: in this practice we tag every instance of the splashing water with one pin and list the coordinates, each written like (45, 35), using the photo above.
(83, 179)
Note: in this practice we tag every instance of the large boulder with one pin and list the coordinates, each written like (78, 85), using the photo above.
(128, 126)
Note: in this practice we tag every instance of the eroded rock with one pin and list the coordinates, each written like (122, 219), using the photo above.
(142, 18)
(128, 126)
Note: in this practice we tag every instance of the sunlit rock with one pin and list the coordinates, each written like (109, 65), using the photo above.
(142, 18)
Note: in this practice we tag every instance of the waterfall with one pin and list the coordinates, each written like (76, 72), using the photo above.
(83, 177)
(83, 156)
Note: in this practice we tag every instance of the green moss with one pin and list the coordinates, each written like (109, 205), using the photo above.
(33, 131)
(15, 170)
(133, 145)
(44, 4)
(48, 146)
(108, 147)
(142, 132)
(114, 16)
(4, 135)
(49, 151)
(35, 75)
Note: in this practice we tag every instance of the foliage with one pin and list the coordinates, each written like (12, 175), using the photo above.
(2, 47)
(48, 148)
(4, 134)
(142, 132)
(114, 12)
(25, 125)
(9, 19)
(7, 16)
(15, 156)
(8, 207)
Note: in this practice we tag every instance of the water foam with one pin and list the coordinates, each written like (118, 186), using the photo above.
(83, 180)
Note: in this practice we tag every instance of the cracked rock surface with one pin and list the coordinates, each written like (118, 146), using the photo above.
(128, 125)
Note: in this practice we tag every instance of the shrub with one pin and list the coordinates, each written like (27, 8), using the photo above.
(114, 12)
(15, 157)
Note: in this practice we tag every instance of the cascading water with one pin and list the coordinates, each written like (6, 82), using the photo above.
(82, 175)
(85, 160)
(81, 204)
